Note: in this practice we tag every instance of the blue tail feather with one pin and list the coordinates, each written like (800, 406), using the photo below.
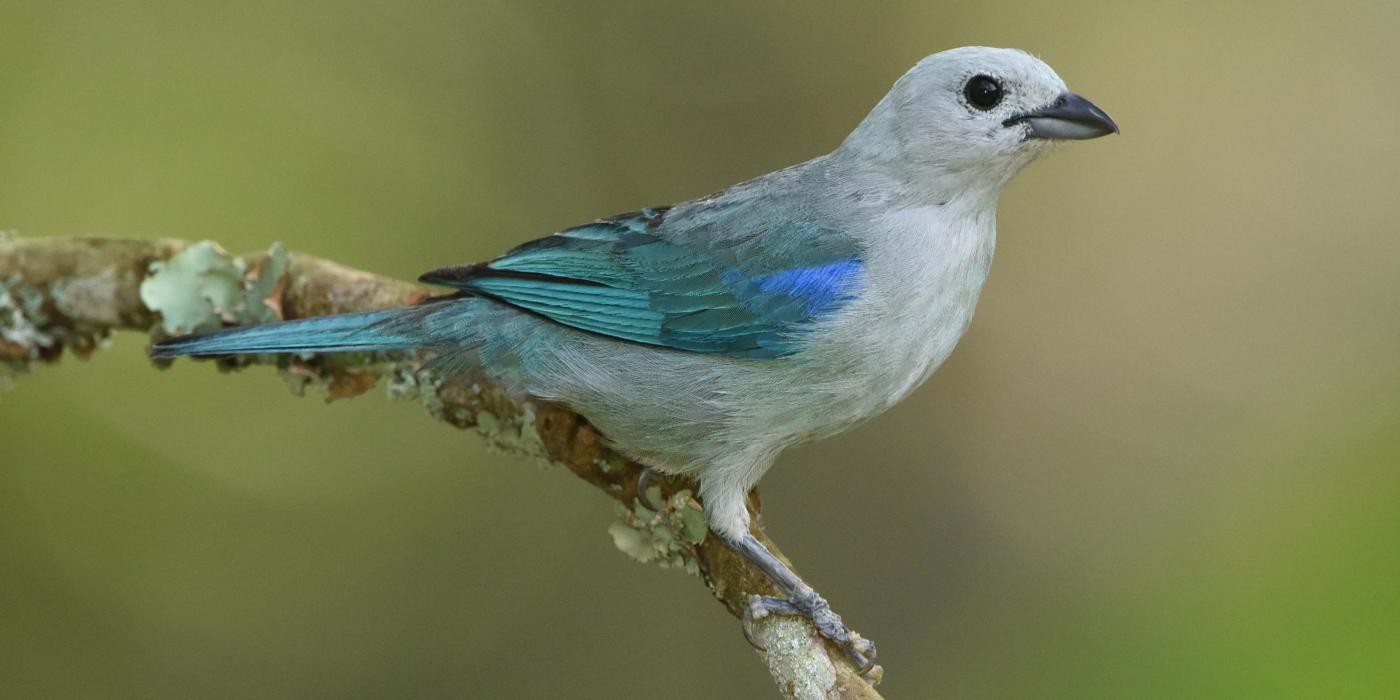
(344, 333)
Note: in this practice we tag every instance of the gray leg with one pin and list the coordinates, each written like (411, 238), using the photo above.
(801, 600)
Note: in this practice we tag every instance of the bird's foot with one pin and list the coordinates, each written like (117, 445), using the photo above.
(861, 651)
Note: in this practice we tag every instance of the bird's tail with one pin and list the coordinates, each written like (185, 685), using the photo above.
(357, 332)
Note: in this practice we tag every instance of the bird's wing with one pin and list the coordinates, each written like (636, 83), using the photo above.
(635, 277)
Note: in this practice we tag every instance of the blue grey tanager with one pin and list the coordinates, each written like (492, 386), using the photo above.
(705, 337)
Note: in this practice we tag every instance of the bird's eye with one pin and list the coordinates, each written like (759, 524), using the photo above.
(983, 92)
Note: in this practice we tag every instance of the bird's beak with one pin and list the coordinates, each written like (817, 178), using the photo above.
(1068, 117)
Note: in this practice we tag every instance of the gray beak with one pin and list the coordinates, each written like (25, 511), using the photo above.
(1069, 117)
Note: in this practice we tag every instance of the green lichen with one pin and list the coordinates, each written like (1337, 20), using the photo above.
(21, 317)
(22, 338)
(667, 537)
(203, 287)
(410, 382)
(30, 333)
(298, 379)
(797, 660)
(610, 462)
(514, 435)
(261, 287)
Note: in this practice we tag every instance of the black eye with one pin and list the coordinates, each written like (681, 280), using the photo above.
(984, 92)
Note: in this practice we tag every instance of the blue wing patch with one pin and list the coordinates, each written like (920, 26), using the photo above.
(822, 287)
(620, 278)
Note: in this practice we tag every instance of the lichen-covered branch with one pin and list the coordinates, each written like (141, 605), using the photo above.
(58, 293)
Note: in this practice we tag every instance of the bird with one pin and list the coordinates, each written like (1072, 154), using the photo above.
(705, 337)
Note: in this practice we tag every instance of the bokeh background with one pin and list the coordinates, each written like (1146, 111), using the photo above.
(1163, 464)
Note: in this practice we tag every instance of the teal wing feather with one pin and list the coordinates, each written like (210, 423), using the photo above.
(633, 278)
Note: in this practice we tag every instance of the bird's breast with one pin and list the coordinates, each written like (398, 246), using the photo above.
(922, 281)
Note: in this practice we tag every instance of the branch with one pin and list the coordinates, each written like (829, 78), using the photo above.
(73, 292)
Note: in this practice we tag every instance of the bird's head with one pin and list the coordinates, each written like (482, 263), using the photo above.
(971, 118)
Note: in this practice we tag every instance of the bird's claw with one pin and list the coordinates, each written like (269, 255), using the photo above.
(644, 483)
(860, 650)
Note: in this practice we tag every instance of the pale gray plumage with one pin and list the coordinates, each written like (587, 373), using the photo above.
(706, 338)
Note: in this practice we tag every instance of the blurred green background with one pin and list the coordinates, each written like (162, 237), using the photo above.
(1163, 464)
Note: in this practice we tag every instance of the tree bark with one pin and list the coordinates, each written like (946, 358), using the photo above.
(73, 292)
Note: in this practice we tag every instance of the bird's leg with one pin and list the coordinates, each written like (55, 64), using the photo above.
(801, 600)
